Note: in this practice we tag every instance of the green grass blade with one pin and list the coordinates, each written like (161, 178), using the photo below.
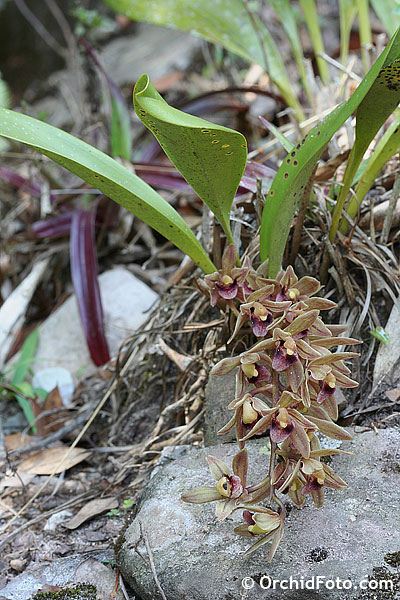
(287, 18)
(107, 175)
(347, 13)
(365, 30)
(25, 358)
(296, 169)
(227, 23)
(210, 157)
(311, 17)
(388, 12)
(387, 146)
(385, 94)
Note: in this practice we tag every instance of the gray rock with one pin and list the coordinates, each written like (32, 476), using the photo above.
(197, 558)
(61, 572)
(220, 391)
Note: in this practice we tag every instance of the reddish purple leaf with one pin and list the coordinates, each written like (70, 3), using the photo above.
(54, 227)
(20, 182)
(84, 277)
(162, 176)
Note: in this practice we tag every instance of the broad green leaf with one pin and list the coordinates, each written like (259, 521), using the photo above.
(296, 169)
(311, 16)
(388, 12)
(210, 157)
(286, 15)
(385, 94)
(387, 146)
(226, 22)
(107, 175)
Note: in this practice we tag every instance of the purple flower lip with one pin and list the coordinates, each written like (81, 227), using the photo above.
(260, 326)
(248, 517)
(279, 434)
(312, 485)
(282, 360)
(263, 374)
(227, 292)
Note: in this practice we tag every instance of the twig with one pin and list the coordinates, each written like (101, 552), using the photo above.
(151, 560)
(40, 29)
(85, 496)
(389, 214)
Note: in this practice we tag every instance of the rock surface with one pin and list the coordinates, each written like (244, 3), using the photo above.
(355, 535)
(126, 302)
(67, 571)
(220, 391)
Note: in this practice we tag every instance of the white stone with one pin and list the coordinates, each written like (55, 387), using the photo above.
(48, 379)
(126, 305)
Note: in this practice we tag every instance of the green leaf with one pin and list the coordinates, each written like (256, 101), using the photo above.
(385, 94)
(227, 23)
(109, 177)
(25, 358)
(210, 157)
(380, 334)
(310, 13)
(387, 146)
(388, 12)
(296, 169)
(347, 12)
(287, 18)
(121, 141)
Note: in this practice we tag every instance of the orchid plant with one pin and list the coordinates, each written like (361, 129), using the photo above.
(286, 380)
(285, 392)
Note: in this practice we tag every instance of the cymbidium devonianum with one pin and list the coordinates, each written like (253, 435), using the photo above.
(285, 391)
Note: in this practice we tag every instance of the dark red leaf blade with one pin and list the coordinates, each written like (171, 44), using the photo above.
(84, 269)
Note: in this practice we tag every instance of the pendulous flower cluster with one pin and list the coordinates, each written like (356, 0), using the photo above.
(285, 391)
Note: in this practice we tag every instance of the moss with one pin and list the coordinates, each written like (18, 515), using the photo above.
(380, 574)
(79, 592)
(393, 559)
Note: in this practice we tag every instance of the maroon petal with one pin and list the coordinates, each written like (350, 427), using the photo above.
(279, 434)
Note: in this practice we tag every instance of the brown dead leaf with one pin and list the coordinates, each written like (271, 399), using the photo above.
(16, 481)
(393, 395)
(328, 170)
(14, 441)
(90, 510)
(49, 423)
(46, 461)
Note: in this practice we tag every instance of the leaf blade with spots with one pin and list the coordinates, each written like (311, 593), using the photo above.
(297, 168)
(210, 157)
(385, 94)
